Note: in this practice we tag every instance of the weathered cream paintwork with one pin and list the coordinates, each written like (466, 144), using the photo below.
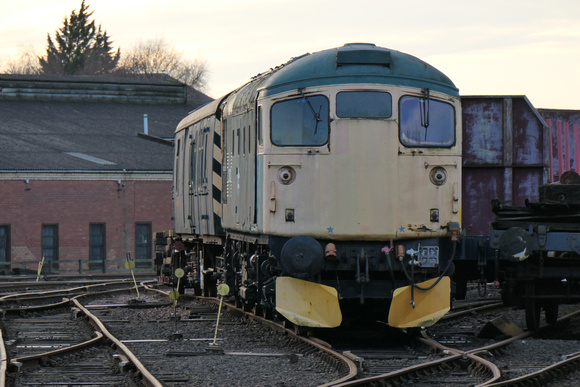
(363, 184)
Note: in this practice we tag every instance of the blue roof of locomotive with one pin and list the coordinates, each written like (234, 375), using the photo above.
(357, 63)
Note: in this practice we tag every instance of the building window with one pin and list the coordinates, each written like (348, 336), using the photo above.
(4, 248)
(143, 245)
(97, 246)
(50, 246)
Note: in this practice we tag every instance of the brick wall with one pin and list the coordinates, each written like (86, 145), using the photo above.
(73, 206)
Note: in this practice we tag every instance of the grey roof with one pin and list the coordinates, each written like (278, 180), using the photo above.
(87, 136)
(154, 79)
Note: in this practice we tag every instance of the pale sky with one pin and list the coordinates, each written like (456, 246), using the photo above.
(492, 47)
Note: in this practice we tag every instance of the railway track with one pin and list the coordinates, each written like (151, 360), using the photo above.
(44, 293)
(513, 361)
(461, 361)
(315, 363)
(172, 345)
(121, 333)
(64, 344)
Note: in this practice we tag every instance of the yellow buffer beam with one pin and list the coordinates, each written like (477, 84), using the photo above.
(307, 303)
(430, 305)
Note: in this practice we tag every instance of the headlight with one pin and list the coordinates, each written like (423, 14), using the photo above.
(438, 176)
(286, 175)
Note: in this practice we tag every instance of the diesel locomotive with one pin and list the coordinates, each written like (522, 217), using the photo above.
(324, 189)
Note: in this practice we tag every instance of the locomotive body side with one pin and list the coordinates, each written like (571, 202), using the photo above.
(335, 176)
(197, 174)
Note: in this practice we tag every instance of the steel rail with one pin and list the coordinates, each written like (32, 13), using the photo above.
(147, 378)
(28, 361)
(534, 375)
(453, 355)
(3, 360)
(101, 331)
(56, 292)
(451, 315)
(540, 376)
(349, 366)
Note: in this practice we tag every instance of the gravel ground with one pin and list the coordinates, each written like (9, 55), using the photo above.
(523, 356)
(284, 367)
(263, 357)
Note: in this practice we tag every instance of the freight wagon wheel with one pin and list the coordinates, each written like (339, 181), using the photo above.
(460, 289)
(533, 307)
(551, 311)
(533, 310)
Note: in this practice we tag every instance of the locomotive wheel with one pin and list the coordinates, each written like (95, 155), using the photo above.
(533, 310)
(197, 290)
(210, 287)
(248, 306)
(299, 331)
(257, 310)
(267, 313)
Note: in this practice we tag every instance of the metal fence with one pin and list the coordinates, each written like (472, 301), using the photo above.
(74, 266)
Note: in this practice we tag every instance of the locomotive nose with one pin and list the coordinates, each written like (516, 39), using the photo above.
(302, 257)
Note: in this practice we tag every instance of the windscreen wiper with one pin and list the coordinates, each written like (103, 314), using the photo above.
(424, 110)
(316, 115)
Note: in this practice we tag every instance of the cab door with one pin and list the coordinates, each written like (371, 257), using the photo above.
(191, 186)
(198, 185)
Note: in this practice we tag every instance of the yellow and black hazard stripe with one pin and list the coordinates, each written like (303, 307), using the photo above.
(217, 179)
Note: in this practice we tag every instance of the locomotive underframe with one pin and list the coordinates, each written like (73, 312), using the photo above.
(362, 273)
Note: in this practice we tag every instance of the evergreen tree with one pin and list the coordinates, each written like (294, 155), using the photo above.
(80, 49)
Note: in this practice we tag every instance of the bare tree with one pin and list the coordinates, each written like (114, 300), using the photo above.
(26, 63)
(156, 56)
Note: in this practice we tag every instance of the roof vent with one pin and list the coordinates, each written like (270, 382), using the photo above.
(362, 54)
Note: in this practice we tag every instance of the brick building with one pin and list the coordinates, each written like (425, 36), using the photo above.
(85, 169)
